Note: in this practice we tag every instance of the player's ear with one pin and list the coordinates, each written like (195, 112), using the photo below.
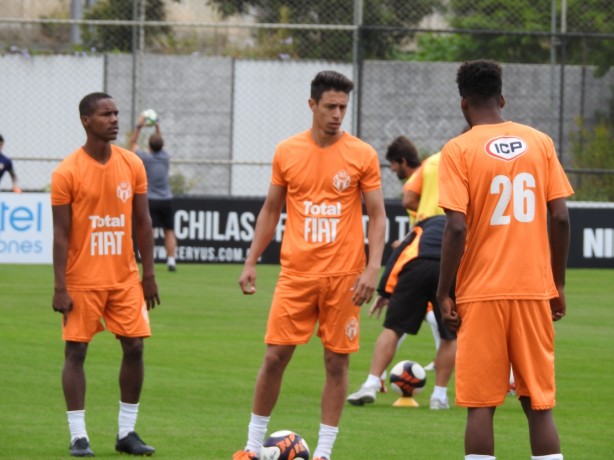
(501, 101)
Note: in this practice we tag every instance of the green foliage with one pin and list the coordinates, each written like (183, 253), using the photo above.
(119, 38)
(334, 44)
(592, 149)
(179, 184)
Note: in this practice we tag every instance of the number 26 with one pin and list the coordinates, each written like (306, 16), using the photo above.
(518, 191)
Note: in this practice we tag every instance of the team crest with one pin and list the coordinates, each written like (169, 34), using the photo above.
(351, 328)
(342, 180)
(124, 191)
(506, 147)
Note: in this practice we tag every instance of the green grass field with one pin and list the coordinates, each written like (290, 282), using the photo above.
(207, 346)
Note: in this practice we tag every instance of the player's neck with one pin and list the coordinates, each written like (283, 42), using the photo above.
(322, 139)
(98, 150)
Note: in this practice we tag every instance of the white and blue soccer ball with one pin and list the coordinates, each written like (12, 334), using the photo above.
(407, 378)
(150, 117)
(284, 445)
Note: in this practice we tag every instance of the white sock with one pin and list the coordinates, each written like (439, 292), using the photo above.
(372, 381)
(326, 438)
(432, 322)
(479, 457)
(384, 375)
(127, 418)
(440, 393)
(401, 340)
(547, 457)
(258, 425)
(170, 261)
(76, 424)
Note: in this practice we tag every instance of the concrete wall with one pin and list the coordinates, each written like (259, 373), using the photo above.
(223, 111)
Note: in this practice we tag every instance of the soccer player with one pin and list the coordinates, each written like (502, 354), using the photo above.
(408, 284)
(157, 164)
(6, 166)
(322, 176)
(96, 192)
(507, 232)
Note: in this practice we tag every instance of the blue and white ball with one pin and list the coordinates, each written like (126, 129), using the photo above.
(284, 445)
(150, 117)
(407, 378)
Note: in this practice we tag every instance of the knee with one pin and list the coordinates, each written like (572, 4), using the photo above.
(75, 352)
(132, 348)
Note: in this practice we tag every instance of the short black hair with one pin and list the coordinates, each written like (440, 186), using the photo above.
(156, 142)
(479, 80)
(402, 148)
(330, 80)
(89, 102)
(1, 138)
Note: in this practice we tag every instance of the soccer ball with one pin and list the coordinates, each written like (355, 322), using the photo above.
(284, 445)
(150, 117)
(407, 378)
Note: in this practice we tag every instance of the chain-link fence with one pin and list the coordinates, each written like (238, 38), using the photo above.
(230, 79)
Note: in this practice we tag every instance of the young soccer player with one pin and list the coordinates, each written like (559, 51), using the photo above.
(507, 232)
(322, 176)
(96, 191)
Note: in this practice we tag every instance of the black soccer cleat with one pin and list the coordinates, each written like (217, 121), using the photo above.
(80, 447)
(132, 444)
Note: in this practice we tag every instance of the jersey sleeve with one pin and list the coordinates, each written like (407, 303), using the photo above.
(414, 183)
(60, 189)
(453, 184)
(141, 178)
(372, 179)
(277, 177)
(558, 184)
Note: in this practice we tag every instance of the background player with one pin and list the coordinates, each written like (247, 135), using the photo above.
(159, 194)
(95, 193)
(322, 176)
(504, 192)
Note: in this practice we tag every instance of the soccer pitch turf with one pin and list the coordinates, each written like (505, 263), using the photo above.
(201, 364)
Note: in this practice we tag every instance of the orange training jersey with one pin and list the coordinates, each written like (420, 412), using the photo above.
(323, 232)
(100, 249)
(501, 176)
(424, 182)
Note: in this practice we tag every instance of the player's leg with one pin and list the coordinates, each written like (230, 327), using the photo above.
(444, 366)
(532, 353)
(479, 432)
(167, 218)
(127, 317)
(78, 328)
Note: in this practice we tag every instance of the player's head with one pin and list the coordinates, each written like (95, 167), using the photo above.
(329, 80)
(330, 95)
(1, 141)
(156, 142)
(403, 157)
(99, 116)
(479, 85)
(88, 104)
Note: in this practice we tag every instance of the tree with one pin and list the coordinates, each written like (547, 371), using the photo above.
(398, 16)
(119, 38)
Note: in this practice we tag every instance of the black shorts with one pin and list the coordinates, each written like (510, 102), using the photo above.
(162, 214)
(415, 288)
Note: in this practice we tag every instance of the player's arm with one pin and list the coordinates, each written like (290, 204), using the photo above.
(134, 136)
(267, 221)
(410, 200)
(61, 301)
(376, 234)
(559, 249)
(16, 188)
(452, 249)
(145, 243)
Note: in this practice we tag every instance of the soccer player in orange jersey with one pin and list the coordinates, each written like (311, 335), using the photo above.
(507, 232)
(322, 176)
(96, 192)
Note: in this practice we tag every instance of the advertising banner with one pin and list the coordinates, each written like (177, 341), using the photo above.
(26, 228)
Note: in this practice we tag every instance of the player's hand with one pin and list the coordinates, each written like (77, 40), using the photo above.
(62, 303)
(150, 291)
(449, 314)
(365, 286)
(247, 280)
(378, 306)
(558, 306)
(16, 189)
